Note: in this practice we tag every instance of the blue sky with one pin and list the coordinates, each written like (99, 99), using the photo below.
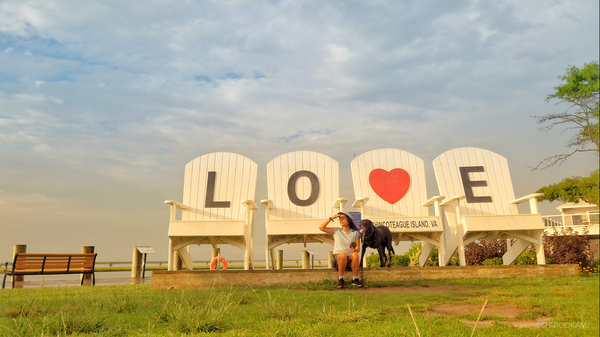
(103, 103)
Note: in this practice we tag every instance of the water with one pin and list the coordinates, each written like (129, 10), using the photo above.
(102, 278)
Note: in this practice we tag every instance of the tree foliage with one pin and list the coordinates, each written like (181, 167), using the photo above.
(573, 190)
(580, 94)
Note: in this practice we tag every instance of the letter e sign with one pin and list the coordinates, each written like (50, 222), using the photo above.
(468, 184)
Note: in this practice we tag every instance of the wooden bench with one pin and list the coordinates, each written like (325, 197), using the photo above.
(46, 264)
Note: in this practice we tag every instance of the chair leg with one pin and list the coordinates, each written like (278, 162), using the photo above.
(541, 256)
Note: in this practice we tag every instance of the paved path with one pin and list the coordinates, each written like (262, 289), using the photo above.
(102, 279)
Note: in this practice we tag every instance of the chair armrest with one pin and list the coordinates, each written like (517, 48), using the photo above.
(176, 204)
(267, 204)
(455, 198)
(526, 198)
(433, 200)
(250, 204)
(339, 201)
(359, 202)
(532, 198)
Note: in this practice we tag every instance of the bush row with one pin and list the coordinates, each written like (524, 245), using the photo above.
(563, 247)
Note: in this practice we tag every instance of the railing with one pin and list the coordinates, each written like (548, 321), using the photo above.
(552, 220)
(570, 220)
(580, 223)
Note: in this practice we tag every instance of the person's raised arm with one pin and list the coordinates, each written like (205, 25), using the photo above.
(324, 227)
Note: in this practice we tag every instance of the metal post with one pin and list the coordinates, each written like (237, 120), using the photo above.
(86, 250)
(136, 263)
(178, 262)
(144, 266)
(305, 260)
(279, 259)
(19, 249)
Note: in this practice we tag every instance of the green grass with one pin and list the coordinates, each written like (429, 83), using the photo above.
(308, 310)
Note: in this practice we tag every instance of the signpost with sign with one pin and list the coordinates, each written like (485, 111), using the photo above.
(144, 250)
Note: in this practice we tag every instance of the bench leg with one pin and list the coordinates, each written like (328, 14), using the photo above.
(93, 279)
(4, 280)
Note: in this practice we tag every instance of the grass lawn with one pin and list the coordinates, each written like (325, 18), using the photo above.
(557, 306)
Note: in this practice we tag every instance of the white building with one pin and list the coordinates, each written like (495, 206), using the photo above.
(578, 216)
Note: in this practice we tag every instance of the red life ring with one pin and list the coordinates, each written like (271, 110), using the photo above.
(214, 262)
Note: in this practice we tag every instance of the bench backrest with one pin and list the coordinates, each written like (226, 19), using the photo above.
(215, 185)
(27, 262)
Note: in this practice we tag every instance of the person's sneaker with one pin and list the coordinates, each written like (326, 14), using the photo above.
(356, 282)
(341, 283)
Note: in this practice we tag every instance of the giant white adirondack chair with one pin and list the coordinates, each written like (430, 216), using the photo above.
(483, 204)
(390, 190)
(303, 191)
(218, 206)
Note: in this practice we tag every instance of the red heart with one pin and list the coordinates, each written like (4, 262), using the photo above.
(390, 186)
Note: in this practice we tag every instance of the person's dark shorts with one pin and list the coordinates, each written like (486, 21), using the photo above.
(335, 264)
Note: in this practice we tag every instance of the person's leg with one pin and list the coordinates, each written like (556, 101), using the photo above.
(342, 261)
(355, 263)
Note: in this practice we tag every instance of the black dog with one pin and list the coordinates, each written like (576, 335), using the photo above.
(378, 238)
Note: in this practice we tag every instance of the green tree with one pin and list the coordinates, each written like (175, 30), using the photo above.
(573, 190)
(580, 94)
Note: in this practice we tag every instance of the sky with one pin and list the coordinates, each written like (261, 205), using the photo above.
(102, 103)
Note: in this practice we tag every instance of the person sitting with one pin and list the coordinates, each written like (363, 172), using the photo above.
(346, 245)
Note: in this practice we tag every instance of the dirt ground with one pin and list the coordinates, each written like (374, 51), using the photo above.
(508, 311)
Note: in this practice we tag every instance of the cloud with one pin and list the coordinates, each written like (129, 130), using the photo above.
(127, 94)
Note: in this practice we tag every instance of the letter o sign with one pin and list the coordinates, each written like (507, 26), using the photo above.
(314, 185)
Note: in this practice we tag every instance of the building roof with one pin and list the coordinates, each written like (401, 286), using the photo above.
(581, 204)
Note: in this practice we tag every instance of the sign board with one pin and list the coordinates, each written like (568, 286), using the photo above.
(355, 217)
(410, 224)
(145, 249)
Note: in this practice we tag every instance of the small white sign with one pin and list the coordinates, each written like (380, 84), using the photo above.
(145, 249)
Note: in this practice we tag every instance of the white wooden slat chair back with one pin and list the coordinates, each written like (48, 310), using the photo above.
(480, 188)
(233, 180)
(305, 168)
(480, 175)
(394, 182)
(390, 189)
(218, 206)
(303, 191)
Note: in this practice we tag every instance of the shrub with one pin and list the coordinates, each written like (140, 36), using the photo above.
(454, 261)
(527, 257)
(496, 261)
(567, 246)
(397, 260)
(477, 252)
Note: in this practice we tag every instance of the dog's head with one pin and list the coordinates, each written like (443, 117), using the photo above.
(366, 227)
